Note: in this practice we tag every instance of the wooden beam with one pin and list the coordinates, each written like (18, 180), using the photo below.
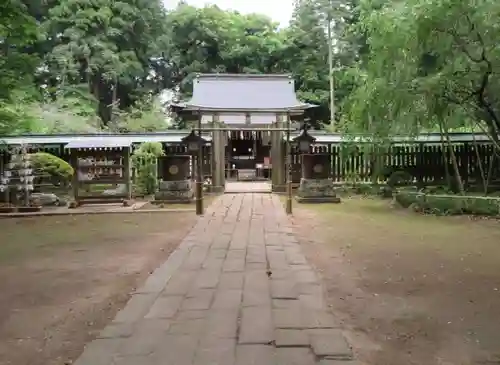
(74, 180)
(127, 172)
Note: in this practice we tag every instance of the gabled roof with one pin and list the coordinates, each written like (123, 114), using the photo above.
(244, 92)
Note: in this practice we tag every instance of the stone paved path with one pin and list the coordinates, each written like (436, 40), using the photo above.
(248, 187)
(237, 291)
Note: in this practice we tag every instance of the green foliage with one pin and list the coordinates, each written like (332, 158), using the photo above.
(399, 67)
(407, 198)
(17, 31)
(148, 116)
(99, 65)
(432, 65)
(150, 148)
(366, 189)
(108, 45)
(145, 164)
(449, 204)
(14, 119)
(309, 68)
(209, 40)
(399, 178)
(58, 170)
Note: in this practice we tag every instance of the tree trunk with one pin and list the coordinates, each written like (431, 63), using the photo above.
(490, 172)
(454, 162)
(480, 165)
(445, 157)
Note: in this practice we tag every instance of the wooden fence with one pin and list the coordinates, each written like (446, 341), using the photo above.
(426, 163)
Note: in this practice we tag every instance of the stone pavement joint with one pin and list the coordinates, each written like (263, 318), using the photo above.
(237, 291)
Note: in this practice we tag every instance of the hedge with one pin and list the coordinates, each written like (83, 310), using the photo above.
(366, 189)
(56, 168)
(449, 204)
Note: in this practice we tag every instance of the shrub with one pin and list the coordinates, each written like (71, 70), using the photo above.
(438, 190)
(449, 204)
(144, 162)
(386, 192)
(366, 189)
(399, 178)
(52, 167)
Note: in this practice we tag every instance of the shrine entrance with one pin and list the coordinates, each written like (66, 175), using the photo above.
(250, 118)
(248, 156)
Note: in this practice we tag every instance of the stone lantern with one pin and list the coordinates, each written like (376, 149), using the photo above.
(304, 140)
(195, 143)
(315, 183)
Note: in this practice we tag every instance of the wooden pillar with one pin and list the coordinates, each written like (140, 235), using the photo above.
(75, 181)
(127, 172)
(278, 156)
(222, 158)
(218, 152)
(274, 159)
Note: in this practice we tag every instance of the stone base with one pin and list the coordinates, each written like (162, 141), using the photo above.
(174, 192)
(179, 185)
(316, 191)
(318, 200)
(278, 188)
(216, 189)
(172, 201)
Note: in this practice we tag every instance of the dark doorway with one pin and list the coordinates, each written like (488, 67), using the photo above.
(248, 156)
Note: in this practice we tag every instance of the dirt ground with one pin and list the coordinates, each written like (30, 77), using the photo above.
(207, 200)
(409, 289)
(62, 278)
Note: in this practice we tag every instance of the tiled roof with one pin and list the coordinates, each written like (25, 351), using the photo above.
(118, 139)
(101, 142)
(431, 138)
(244, 92)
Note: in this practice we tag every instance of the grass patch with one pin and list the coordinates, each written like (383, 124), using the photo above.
(415, 285)
(375, 224)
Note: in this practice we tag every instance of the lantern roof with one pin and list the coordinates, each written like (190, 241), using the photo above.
(192, 137)
(304, 136)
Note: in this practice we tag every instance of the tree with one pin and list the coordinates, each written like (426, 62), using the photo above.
(17, 31)
(148, 115)
(108, 45)
(209, 40)
(308, 51)
(307, 56)
(431, 63)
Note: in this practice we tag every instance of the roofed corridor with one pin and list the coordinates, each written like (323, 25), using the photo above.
(238, 290)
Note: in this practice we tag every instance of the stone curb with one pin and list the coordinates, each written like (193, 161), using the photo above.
(47, 214)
